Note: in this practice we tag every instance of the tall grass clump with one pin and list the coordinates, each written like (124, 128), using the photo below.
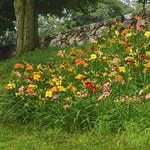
(105, 86)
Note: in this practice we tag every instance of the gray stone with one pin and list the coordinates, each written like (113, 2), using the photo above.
(100, 30)
(92, 26)
(128, 16)
(127, 23)
(53, 42)
(82, 42)
(72, 40)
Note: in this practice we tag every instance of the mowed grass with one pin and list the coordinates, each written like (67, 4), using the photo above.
(15, 137)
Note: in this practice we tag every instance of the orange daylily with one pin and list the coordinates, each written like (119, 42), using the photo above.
(80, 61)
(72, 52)
(30, 88)
(124, 32)
(29, 67)
(119, 78)
(148, 64)
(17, 66)
(140, 27)
(81, 52)
(123, 42)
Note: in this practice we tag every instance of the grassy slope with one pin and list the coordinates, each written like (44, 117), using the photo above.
(27, 137)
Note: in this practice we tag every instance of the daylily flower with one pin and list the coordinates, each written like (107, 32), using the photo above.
(66, 106)
(67, 99)
(80, 77)
(125, 99)
(89, 85)
(147, 96)
(128, 34)
(148, 64)
(123, 43)
(106, 94)
(142, 57)
(147, 34)
(61, 88)
(106, 86)
(30, 88)
(18, 74)
(82, 94)
(119, 78)
(122, 69)
(124, 32)
(80, 61)
(29, 67)
(61, 53)
(21, 90)
(57, 81)
(93, 56)
(117, 33)
(48, 93)
(147, 53)
(36, 76)
(10, 86)
(18, 66)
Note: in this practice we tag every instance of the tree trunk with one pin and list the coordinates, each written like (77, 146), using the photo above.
(27, 25)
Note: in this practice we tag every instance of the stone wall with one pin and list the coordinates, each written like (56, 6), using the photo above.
(83, 34)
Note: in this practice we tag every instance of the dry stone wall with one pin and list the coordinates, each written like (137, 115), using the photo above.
(83, 34)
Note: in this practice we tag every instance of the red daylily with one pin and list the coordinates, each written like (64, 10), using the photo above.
(89, 85)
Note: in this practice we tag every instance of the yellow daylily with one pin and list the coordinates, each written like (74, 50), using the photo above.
(93, 56)
(129, 34)
(48, 93)
(148, 53)
(80, 77)
(10, 86)
(57, 81)
(36, 76)
(61, 88)
(116, 33)
(122, 69)
(147, 34)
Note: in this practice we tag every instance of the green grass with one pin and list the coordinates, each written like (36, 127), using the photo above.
(15, 137)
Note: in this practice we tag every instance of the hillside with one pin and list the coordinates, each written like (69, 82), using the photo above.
(101, 87)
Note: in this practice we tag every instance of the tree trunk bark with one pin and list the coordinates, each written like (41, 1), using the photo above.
(27, 25)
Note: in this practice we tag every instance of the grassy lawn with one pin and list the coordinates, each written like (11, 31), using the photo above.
(15, 137)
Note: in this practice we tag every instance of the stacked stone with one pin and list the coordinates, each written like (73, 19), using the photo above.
(83, 34)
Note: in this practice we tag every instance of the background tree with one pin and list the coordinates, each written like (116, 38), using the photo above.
(26, 12)
(144, 2)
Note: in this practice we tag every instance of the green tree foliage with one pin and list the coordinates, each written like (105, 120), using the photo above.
(26, 12)
(144, 2)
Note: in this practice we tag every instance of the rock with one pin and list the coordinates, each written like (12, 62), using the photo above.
(127, 23)
(72, 41)
(100, 30)
(128, 16)
(53, 42)
(82, 42)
